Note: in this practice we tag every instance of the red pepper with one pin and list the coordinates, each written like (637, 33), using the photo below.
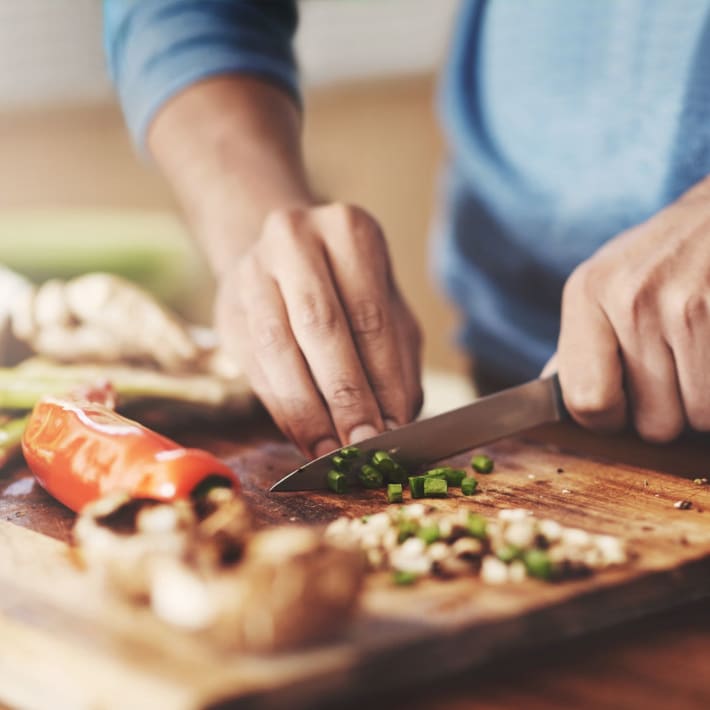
(80, 451)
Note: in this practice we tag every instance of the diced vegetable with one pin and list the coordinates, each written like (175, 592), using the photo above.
(349, 452)
(394, 492)
(340, 463)
(453, 476)
(337, 481)
(477, 526)
(429, 533)
(416, 486)
(392, 470)
(406, 528)
(508, 553)
(435, 487)
(370, 477)
(482, 463)
(404, 579)
(469, 485)
(538, 564)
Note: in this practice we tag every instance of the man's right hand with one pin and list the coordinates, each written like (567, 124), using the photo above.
(312, 312)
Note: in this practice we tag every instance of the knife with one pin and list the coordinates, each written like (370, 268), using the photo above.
(487, 419)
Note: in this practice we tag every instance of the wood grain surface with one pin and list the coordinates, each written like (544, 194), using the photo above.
(91, 651)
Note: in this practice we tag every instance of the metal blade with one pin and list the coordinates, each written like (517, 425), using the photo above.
(485, 420)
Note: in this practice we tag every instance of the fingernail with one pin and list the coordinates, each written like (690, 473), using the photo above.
(391, 424)
(324, 446)
(364, 431)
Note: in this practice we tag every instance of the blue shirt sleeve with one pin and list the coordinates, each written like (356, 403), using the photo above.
(155, 48)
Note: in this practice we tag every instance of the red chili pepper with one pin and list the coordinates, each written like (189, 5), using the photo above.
(80, 451)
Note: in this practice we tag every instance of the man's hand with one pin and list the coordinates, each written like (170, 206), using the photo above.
(313, 314)
(635, 333)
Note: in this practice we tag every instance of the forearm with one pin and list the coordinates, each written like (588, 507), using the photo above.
(230, 147)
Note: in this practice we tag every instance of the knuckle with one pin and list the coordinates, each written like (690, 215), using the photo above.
(588, 401)
(354, 223)
(698, 416)
(345, 395)
(318, 315)
(286, 221)
(368, 318)
(269, 333)
(687, 311)
(657, 430)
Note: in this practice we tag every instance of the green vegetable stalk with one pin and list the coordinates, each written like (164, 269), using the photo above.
(11, 432)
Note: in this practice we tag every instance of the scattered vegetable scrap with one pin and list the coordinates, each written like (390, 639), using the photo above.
(700, 481)
(482, 463)
(417, 540)
(683, 504)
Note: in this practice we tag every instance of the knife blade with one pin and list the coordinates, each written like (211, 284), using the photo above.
(485, 420)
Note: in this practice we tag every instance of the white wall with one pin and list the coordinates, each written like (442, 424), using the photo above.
(50, 50)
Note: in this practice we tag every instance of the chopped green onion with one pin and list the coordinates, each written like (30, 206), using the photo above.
(382, 461)
(406, 529)
(482, 463)
(370, 477)
(404, 579)
(416, 486)
(349, 452)
(468, 486)
(453, 476)
(429, 533)
(435, 487)
(388, 467)
(508, 553)
(394, 492)
(341, 463)
(477, 526)
(538, 564)
(337, 481)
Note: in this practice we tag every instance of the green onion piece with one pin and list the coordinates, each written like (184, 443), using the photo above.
(429, 533)
(468, 486)
(349, 452)
(382, 461)
(482, 463)
(337, 481)
(477, 526)
(406, 529)
(394, 492)
(392, 470)
(404, 579)
(416, 486)
(435, 487)
(453, 476)
(538, 564)
(508, 553)
(370, 477)
(398, 474)
(341, 463)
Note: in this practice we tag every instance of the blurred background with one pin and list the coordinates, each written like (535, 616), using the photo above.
(72, 188)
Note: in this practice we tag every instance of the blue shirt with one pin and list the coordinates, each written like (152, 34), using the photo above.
(567, 122)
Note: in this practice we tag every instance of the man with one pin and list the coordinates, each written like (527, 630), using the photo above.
(578, 204)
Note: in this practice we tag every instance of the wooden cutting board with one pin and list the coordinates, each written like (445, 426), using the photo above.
(66, 645)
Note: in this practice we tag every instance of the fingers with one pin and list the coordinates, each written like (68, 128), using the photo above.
(688, 335)
(322, 332)
(410, 339)
(358, 261)
(277, 365)
(590, 368)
